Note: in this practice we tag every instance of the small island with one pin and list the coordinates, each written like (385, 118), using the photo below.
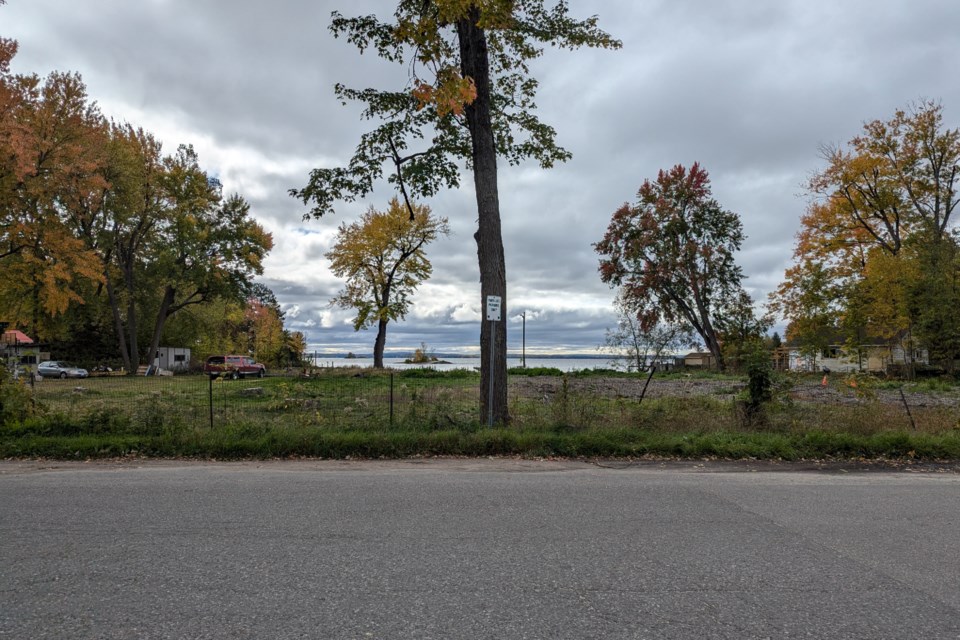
(421, 356)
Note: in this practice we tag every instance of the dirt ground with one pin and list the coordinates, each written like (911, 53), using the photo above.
(835, 392)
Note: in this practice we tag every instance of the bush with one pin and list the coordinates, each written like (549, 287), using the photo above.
(759, 389)
(534, 371)
(16, 400)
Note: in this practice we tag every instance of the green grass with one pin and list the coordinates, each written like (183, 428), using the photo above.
(232, 444)
(349, 413)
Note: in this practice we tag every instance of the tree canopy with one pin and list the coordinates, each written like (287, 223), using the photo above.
(383, 258)
(875, 258)
(672, 253)
(100, 230)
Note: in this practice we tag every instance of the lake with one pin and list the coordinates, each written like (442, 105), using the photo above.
(563, 364)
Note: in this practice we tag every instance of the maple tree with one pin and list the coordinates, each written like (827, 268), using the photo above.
(469, 97)
(898, 177)
(383, 257)
(672, 254)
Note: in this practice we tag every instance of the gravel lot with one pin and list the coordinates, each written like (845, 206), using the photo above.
(806, 390)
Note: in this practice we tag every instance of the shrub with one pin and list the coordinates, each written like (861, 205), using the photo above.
(16, 400)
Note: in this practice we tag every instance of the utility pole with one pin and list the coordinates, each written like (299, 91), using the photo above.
(523, 353)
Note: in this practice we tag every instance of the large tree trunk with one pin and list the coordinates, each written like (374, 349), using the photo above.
(118, 325)
(709, 336)
(168, 296)
(474, 64)
(380, 343)
(134, 348)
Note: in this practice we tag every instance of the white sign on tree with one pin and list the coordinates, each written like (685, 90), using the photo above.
(493, 308)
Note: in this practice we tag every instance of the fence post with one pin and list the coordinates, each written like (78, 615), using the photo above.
(913, 424)
(653, 368)
(210, 382)
(391, 398)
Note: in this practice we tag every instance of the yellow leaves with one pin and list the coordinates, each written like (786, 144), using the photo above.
(384, 252)
(451, 94)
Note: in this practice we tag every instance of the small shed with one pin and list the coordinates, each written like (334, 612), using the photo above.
(700, 359)
(173, 358)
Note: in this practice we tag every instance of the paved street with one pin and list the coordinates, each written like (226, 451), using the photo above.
(474, 549)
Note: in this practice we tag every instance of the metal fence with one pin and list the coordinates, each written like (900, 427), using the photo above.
(365, 398)
(339, 398)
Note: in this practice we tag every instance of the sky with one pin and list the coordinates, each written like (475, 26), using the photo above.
(751, 90)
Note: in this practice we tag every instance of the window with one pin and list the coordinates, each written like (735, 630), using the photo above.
(179, 357)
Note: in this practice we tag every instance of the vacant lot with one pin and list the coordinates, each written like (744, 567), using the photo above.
(340, 412)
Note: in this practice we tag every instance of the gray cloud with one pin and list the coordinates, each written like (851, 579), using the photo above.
(751, 90)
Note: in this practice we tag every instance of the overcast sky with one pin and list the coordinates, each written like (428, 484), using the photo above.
(750, 89)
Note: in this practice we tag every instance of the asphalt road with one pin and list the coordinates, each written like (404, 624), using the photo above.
(474, 549)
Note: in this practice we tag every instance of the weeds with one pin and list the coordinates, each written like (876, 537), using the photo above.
(334, 414)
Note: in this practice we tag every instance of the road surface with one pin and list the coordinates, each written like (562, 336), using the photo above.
(475, 549)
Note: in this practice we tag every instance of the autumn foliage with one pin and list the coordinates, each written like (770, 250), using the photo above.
(876, 255)
(672, 253)
(383, 259)
(101, 234)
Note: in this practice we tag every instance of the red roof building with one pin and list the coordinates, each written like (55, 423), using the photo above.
(16, 337)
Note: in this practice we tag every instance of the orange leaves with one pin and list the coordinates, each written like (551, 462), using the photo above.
(451, 94)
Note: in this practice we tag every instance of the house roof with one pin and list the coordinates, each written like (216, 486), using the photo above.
(14, 337)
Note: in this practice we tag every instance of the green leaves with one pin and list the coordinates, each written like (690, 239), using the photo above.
(422, 141)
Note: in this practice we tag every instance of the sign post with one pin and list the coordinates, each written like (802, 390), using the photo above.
(493, 315)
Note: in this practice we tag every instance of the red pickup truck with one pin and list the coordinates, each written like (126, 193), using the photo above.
(233, 367)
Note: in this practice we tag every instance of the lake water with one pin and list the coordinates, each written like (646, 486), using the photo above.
(563, 364)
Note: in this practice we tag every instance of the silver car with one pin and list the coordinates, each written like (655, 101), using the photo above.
(60, 369)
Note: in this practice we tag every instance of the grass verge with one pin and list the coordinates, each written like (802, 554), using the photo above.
(486, 442)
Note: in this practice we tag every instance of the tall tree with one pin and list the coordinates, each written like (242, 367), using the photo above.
(898, 177)
(133, 208)
(50, 140)
(874, 243)
(470, 97)
(672, 254)
(207, 246)
(383, 257)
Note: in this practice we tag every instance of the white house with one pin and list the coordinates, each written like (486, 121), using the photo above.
(874, 358)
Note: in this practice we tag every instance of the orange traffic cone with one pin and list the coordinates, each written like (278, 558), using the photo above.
(823, 382)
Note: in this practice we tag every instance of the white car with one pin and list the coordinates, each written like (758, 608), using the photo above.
(60, 369)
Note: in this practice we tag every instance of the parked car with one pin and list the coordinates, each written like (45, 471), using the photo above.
(60, 369)
(233, 367)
